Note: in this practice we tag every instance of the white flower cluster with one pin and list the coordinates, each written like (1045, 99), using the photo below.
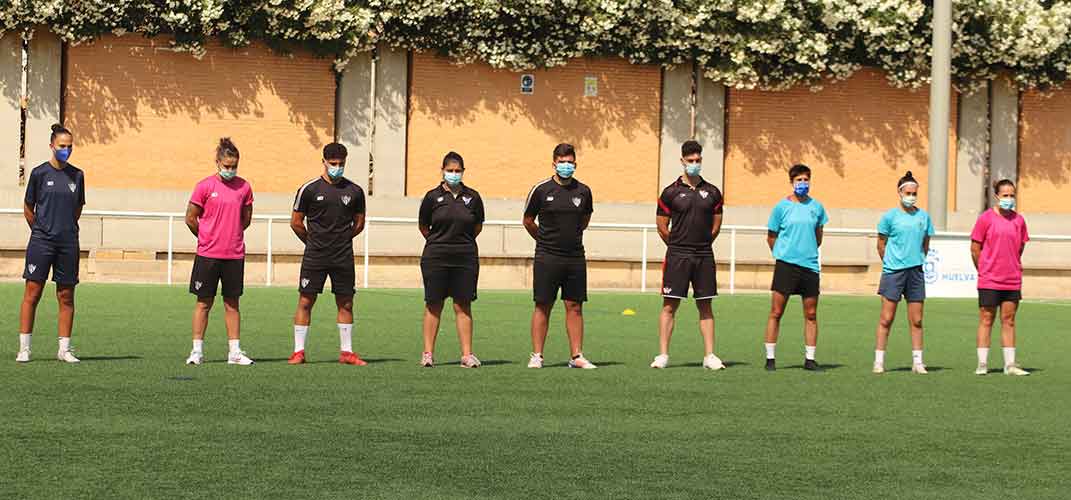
(771, 44)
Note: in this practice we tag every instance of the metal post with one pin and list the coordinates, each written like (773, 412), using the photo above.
(643, 263)
(732, 261)
(940, 97)
(170, 245)
(367, 226)
(267, 279)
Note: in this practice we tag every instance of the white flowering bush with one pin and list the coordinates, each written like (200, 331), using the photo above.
(769, 44)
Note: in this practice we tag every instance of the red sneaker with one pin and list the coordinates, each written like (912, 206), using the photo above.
(298, 358)
(351, 358)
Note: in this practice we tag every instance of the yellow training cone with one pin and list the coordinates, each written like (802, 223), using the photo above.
(628, 312)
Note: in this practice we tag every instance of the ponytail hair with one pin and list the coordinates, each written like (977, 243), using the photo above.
(226, 149)
(906, 179)
(58, 129)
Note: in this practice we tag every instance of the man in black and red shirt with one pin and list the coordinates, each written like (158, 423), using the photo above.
(563, 206)
(689, 219)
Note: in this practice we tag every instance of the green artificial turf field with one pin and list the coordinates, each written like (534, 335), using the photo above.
(131, 421)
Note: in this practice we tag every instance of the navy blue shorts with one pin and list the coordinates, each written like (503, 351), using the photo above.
(62, 259)
(907, 283)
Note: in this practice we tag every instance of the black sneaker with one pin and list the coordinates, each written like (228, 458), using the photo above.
(771, 365)
(812, 365)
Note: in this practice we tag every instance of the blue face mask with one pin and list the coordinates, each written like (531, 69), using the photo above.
(228, 173)
(802, 188)
(452, 178)
(63, 154)
(565, 169)
(335, 172)
(693, 169)
(1007, 203)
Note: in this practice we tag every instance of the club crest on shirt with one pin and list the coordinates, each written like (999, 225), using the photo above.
(683, 195)
(346, 200)
(667, 290)
(197, 285)
(576, 201)
(72, 186)
(50, 183)
(320, 198)
(304, 282)
(31, 268)
(215, 195)
(466, 199)
(550, 198)
(439, 199)
(704, 194)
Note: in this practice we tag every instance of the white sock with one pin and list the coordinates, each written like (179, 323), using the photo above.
(808, 351)
(299, 337)
(234, 343)
(64, 344)
(770, 348)
(983, 355)
(1009, 356)
(916, 356)
(879, 357)
(345, 337)
(24, 341)
(198, 345)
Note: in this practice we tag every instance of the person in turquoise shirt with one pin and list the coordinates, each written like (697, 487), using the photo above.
(903, 242)
(794, 235)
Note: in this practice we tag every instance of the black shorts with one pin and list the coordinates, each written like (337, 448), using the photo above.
(208, 273)
(907, 283)
(61, 259)
(790, 279)
(994, 298)
(552, 272)
(450, 275)
(312, 277)
(680, 270)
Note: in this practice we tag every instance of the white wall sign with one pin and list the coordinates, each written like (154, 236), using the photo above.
(591, 86)
(949, 270)
(527, 83)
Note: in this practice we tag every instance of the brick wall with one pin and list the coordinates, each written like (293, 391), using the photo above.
(858, 136)
(148, 117)
(1045, 152)
(506, 138)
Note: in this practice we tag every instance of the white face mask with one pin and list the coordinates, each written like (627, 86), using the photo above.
(908, 200)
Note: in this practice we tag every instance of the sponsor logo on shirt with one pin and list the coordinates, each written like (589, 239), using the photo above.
(197, 284)
(576, 201)
(346, 200)
(550, 198)
(683, 195)
(49, 183)
(704, 194)
(72, 186)
(466, 199)
(439, 199)
(320, 198)
(304, 282)
(215, 195)
(31, 268)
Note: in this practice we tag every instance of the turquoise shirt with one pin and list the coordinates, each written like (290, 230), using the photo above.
(795, 224)
(905, 233)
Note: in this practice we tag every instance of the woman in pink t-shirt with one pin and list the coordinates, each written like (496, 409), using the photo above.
(220, 209)
(997, 243)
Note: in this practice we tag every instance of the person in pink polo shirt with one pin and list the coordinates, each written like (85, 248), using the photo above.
(997, 244)
(220, 209)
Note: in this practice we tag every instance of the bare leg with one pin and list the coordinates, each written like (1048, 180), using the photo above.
(200, 316)
(65, 320)
(810, 321)
(914, 315)
(432, 316)
(666, 321)
(985, 325)
(345, 309)
(232, 317)
(777, 309)
(303, 315)
(706, 324)
(463, 315)
(28, 311)
(1007, 323)
(885, 322)
(540, 318)
(574, 326)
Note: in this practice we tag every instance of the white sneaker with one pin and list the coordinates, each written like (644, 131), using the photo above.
(660, 361)
(23, 356)
(196, 358)
(238, 358)
(919, 369)
(1015, 369)
(536, 361)
(581, 362)
(879, 368)
(67, 356)
(712, 362)
(983, 368)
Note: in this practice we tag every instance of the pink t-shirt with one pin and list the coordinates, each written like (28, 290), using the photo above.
(1000, 265)
(220, 233)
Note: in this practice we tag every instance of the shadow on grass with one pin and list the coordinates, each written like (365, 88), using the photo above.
(108, 358)
(928, 368)
(600, 364)
(1000, 371)
(832, 366)
(699, 364)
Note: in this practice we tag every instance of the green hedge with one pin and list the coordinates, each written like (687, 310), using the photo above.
(743, 43)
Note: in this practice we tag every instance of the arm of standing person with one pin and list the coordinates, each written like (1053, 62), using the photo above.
(247, 216)
(531, 210)
(424, 216)
(882, 241)
(981, 227)
(662, 222)
(480, 216)
(193, 216)
(976, 252)
(773, 226)
(30, 201)
(823, 219)
(358, 224)
(297, 224)
(81, 197)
